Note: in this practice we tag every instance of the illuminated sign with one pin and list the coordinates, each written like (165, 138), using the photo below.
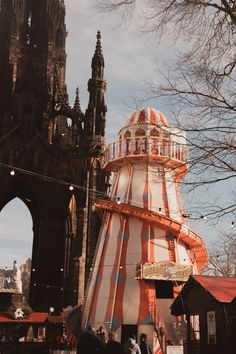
(163, 270)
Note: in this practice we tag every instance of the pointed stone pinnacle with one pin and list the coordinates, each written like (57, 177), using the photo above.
(77, 107)
(98, 51)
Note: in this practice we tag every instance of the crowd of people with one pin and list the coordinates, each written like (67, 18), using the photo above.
(94, 342)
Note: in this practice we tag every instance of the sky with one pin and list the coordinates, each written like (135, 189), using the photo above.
(131, 58)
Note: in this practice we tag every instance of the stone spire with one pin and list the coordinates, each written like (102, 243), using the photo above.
(96, 111)
(77, 107)
(98, 60)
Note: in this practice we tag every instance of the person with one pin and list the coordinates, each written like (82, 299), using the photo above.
(101, 334)
(144, 347)
(131, 347)
(112, 346)
(90, 343)
(169, 341)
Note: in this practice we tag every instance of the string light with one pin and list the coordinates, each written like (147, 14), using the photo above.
(52, 180)
(232, 224)
(72, 187)
(53, 287)
(184, 215)
(51, 310)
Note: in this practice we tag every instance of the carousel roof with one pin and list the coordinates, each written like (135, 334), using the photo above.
(147, 116)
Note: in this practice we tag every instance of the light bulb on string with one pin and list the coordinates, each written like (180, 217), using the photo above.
(71, 188)
(12, 173)
(118, 200)
(51, 310)
(232, 224)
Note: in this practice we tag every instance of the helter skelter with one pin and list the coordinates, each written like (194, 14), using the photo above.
(145, 250)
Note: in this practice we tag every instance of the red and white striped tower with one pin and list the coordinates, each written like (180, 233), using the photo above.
(145, 249)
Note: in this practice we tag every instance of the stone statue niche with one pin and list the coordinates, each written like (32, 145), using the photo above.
(12, 280)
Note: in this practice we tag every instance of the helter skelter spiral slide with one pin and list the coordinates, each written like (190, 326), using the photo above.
(145, 250)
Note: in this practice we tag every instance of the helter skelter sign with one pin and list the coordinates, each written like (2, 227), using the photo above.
(164, 270)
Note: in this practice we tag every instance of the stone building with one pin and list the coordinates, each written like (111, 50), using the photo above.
(49, 150)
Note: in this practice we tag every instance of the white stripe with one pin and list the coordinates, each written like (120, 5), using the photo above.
(161, 251)
(131, 300)
(104, 291)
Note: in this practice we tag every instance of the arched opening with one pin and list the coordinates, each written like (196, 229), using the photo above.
(139, 141)
(127, 142)
(16, 240)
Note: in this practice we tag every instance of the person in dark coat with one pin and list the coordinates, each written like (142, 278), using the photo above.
(101, 334)
(112, 346)
(144, 347)
(89, 343)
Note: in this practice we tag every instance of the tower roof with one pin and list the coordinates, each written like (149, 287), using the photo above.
(147, 116)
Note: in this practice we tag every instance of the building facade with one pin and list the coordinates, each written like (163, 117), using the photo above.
(49, 150)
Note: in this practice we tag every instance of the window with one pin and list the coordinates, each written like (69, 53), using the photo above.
(164, 289)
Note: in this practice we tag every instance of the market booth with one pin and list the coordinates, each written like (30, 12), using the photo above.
(24, 335)
(23, 331)
(209, 304)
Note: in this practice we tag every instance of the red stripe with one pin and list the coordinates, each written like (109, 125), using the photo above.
(151, 244)
(118, 311)
(128, 192)
(144, 286)
(142, 117)
(153, 117)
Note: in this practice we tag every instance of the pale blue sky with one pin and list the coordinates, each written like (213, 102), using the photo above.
(130, 61)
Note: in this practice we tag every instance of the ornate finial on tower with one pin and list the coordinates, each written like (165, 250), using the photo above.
(98, 60)
(98, 51)
(62, 3)
(77, 107)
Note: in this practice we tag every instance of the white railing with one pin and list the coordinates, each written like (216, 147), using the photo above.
(151, 147)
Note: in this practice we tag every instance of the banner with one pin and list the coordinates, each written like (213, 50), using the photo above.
(164, 270)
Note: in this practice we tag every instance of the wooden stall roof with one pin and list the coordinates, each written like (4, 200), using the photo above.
(220, 289)
(35, 317)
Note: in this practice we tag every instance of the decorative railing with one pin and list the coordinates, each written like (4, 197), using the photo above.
(152, 146)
